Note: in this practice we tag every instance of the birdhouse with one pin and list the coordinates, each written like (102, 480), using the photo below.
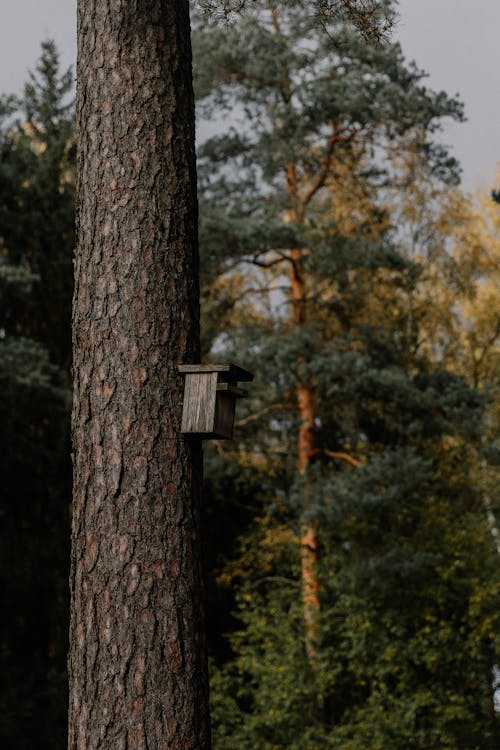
(210, 393)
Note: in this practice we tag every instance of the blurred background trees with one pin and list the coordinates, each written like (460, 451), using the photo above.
(37, 150)
(352, 527)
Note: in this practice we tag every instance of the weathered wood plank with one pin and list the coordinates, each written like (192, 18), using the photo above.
(198, 414)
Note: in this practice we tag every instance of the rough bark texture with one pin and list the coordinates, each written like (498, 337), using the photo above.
(137, 662)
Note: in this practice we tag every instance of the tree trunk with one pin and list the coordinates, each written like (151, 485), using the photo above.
(308, 535)
(307, 413)
(138, 676)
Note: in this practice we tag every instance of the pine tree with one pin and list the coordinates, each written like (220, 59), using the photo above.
(37, 210)
(137, 666)
(314, 100)
(36, 245)
(359, 432)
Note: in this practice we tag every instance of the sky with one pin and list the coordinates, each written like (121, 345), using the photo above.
(454, 41)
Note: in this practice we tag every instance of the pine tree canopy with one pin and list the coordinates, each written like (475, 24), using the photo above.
(361, 617)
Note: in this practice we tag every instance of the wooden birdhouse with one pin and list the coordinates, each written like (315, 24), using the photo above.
(210, 393)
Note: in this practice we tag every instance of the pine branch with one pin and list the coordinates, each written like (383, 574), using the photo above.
(334, 138)
(267, 263)
(261, 413)
(338, 455)
(258, 290)
(370, 17)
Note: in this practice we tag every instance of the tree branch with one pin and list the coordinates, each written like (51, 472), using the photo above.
(339, 455)
(266, 263)
(259, 290)
(335, 137)
(261, 413)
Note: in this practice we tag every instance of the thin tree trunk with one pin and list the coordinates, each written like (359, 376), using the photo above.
(137, 665)
(308, 536)
(307, 413)
(305, 397)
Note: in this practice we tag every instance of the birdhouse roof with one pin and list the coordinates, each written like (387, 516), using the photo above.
(233, 372)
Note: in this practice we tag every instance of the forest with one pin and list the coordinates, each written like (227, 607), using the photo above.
(351, 528)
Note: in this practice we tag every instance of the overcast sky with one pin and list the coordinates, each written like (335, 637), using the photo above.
(455, 41)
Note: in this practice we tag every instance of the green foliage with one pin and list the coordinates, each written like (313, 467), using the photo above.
(373, 18)
(37, 176)
(407, 626)
(36, 244)
(322, 130)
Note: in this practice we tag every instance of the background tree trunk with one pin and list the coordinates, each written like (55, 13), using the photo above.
(137, 659)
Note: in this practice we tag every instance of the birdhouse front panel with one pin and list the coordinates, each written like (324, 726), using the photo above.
(200, 396)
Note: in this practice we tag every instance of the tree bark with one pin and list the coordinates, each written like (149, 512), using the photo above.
(137, 665)
(308, 535)
(306, 449)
